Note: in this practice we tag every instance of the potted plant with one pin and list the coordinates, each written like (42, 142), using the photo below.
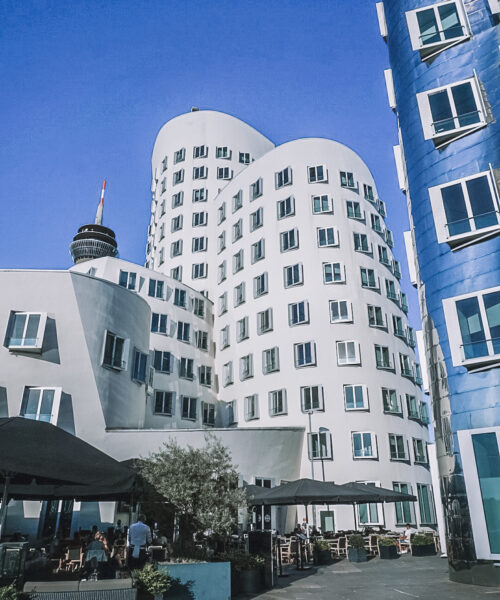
(152, 582)
(246, 571)
(422, 544)
(322, 554)
(356, 551)
(387, 547)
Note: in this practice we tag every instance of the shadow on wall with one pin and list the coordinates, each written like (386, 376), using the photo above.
(66, 417)
(50, 348)
(4, 407)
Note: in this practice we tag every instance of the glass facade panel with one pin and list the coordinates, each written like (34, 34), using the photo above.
(492, 306)
(454, 207)
(427, 24)
(481, 202)
(471, 328)
(465, 104)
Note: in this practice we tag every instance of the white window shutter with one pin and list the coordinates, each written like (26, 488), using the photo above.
(399, 160)
(494, 6)
(382, 23)
(389, 84)
(411, 19)
(410, 255)
(438, 213)
(425, 114)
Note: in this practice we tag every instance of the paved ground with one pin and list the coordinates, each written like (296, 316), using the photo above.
(402, 579)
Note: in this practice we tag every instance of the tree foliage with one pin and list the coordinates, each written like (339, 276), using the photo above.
(200, 484)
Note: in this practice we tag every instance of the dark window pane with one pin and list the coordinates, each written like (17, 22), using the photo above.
(428, 27)
(492, 306)
(471, 328)
(454, 207)
(465, 104)
(442, 116)
(450, 22)
(481, 202)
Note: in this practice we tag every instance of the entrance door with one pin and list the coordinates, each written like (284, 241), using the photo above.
(327, 518)
(263, 513)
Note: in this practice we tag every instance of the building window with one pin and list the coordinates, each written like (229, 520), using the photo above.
(238, 261)
(277, 403)
(200, 270)
(298, 313)
(403, 302)
(163, 361)
(139, 366)
(180, 297)
(465, 209)
(424, 413)
(221, 272)
(391, 402)
(376, 223)
(320, 445)
(179, 155)
(420, 451)
(177, 199)
(260, 285)
(41, 404)
(265, 321)
(200, 172)
(317, 174)
(364, 444)
(348, 353)
(164, 403)
(270, 360)
(286, 207)
(161, 256)
(163, 186)
(283, 178)
(183, 330)
(200, 151)
(224, 337)
(200, 219)
(312, 398)
(347, 180)
(158, 323)
(437, 27)
(383, 358)
(232, 412)
(452, 111)
(398, 327)
(404, 510)
(200, 195)
(242, 329)
(293, 275)
(244, 158)
(188, 408)
(390, 289)
(186, 368)
(397, 447)
(257, 250)
(361, 243)
(199, 307)
(227, 373)
(376, 317)
(222, 304)
(356, 397)
(383, 256)
(321, 204)
(178, 176)
(208, 417)
(176, 223)
(333, 273)
(164, 164)
(205, 375)
(246, 367)
(368, 193)
(354, 210)
(405, 366)
(413, 407)
(155, 288)
(201, 340)
(327, 237)
(237, 230)
(176, 273)
(369, 513)
(257, 219)
(304, 354)
(251, 407)
(175, 248)
(289, 240)
(26, 331)
(256, 189)
(200, 244)
(224, 173)
(426, 504)
(368, 279)
(221, 242)
(223, 152)
(239, 294)
(127, 280)
(340, 311)
(237, 201)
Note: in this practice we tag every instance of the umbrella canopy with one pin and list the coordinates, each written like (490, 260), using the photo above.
(306, 492)
(254, 493)
(378, 494)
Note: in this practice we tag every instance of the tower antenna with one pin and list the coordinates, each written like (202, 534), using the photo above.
(98, 216)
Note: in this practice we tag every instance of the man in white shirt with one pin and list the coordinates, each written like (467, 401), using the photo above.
(139, 536)
(405, 538)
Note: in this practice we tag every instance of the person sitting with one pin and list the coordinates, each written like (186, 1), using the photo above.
(96, 556)
(405, 539)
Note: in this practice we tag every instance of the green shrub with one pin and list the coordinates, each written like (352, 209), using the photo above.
(241, 561)
(386, 541)
(150, 580)
(422, 539)
(356, 541)
(320, 545)
(8, 592)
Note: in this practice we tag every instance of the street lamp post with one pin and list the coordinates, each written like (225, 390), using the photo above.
(310, 449)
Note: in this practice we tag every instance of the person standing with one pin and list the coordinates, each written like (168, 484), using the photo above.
(139, 536)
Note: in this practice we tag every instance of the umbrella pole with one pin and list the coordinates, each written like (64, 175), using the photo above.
(3, 509)
(354, 514)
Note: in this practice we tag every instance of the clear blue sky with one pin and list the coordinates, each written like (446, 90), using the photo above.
(87, 84)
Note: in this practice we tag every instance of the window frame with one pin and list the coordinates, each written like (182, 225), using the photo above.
(320, 398)
(38, 339)
(373, 445)
(357, 355)
(291, 306)
(165, 393)
(286, 202)
(366, 400)
(272, 395)
(314, 176)
(301, 348)
(349, 316)
(56, 403)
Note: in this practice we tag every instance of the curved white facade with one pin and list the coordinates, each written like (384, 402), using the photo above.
(299, 327)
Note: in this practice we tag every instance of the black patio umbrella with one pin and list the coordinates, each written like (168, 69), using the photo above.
(254, 493)
(309, 491)
(379, 494)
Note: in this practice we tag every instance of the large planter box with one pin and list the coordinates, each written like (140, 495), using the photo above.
(206, 581)
(322, 557)
(250, 582)
(356, 554)
(388, 551)
(425, 550)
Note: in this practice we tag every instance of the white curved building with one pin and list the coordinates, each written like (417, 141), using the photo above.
(309, 317)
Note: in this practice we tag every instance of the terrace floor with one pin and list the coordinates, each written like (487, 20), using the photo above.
(402, 579)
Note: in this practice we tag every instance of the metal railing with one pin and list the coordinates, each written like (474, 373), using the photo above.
(473, 220)
(462, 120)
(481, 348)
(428, 36)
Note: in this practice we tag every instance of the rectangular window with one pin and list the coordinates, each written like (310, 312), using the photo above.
(376, 223)
(199, 307)
(348, 353)
(277, 403)
(224, 173)
(390, 289)
(178, 176)
(354, 210)
(223, 303)
(260, 285)
(201, 340)
(246, 367)
(224, 337)
(179, 155)
(333, 273)
(186, 368)
(177, 199)
(289, 240)
(327, 237)
(163, 361)
(424, 413)
(317, 174)
(413, 407)
(397, 447)
(221, 242)
(221, 272)
(183, 330)
(26, 331)
(227, 373)
(205, 375)
(396, 269)
(242, 329)
(239, 294)
(158, 323)
(155, 288)
(405, 366)
(176, 223)
(320, 445)
(265, 321)
(298, 313)
(304, 354)
(293, 275)
(383, 358)
(257, 250)
(238, 261)
(251, 407)
(127, 280)
(356, 397)
(368, 279)
(176, 273)
(420, 451)
(200, 219)
(139, 366)
(223, 152)
(376, 317)
(311, 398)
(368, 193)
(283, 178)
(340, 311)
(270, 360)
(404, 510)
(321, 204)
(364, 444)
(237, 230)
(200, 151)
(237, 201)
(176, 248)
(347, 180)
(200, 270)
(383, 256)
(200, 195)
(398, 327)
(391, 402)
(256, 189)
(232, 412)
(361, 243)
(426, 504)
(257, 219)
(188, 408)
(163, 185)
(41, 404)
(200, 244)
(286, 207)
(164, 403)
(208, 417)
(180, 297)
(164, 164)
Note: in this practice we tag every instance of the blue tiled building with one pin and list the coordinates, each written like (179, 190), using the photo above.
(444, 86)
